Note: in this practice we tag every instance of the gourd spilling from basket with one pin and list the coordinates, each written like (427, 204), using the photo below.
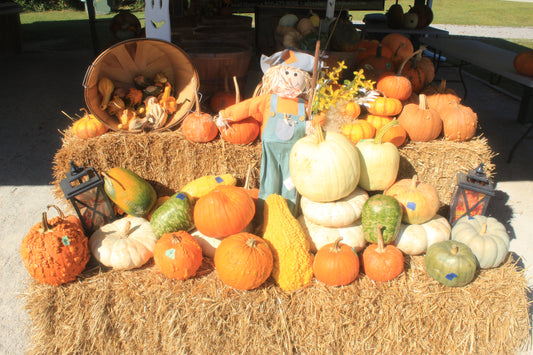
(143, 107)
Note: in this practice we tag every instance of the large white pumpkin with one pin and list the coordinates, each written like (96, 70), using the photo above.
(319, 236)
(324, 167)
(415, 239)
(340, 213)
(486, 236)
(380, 162)
(124, 244)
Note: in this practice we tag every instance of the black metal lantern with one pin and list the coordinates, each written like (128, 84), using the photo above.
(84, 188)
(472, 194)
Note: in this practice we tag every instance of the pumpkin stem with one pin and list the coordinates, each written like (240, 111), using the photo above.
(45, 226)
(127, 229)
(442, 86)
(176, 238)
(237, 90)
(400, 69)
(59, 211)
(198, 112)
(336, 246)
(381, 244)
(483, 229)
(423, 102)
(251, 242)
(379, 136)
(454, 250)
(414, 181)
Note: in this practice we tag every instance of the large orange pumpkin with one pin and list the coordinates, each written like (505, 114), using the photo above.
(336, 264)
(224, 211)
(368, 48)
(523, 63)
(178, 255)
(243, 261)
(421, 122)
(375, 65)
(401, 47)
(440, 97)
(459, 122)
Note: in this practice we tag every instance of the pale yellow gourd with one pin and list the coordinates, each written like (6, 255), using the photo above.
(319, 236)
(415, 239)
(293, 264)
(203, 185)
(105, 88)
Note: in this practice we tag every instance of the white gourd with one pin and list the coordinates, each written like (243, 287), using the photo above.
(209, 244)
(319, 236)
(340, 213)
(415, 239)
(124, 244)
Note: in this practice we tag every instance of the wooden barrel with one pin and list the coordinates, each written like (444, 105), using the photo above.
(216, 62)
(127, 59)
(226, 34)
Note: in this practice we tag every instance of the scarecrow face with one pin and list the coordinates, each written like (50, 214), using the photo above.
(289, 81)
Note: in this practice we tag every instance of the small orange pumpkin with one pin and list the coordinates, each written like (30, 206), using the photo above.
(523, 63)
(198, 126)
(382, 263)
(439, 97)
(351, 109)
(378, 121)
(385, 106)
(395, 134)
(243, 261)
(88, 126)
(421, 122)
(336, 264)
(358, 130)
(178, 255)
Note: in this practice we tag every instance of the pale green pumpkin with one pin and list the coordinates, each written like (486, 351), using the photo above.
(379, 161)
(324, 166)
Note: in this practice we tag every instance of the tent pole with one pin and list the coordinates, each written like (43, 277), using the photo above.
(91, 12)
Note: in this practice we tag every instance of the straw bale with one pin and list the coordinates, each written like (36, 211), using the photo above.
(169, 161)
(142, 311)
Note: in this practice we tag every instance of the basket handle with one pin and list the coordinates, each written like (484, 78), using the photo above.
(84, 82)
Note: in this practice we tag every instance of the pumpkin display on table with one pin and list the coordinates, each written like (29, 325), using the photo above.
(55, 251)
(486, 237)
(318, 235)
(419, 200)
(198, 126)
(459, 122)
(380, 262)
(293, 264)
(88, 126)
(451, 263)
(421, 122)
(175, 214)
(424, 14)
(336, 264)
(178, 255)
(129, 191)
(379, 161)
(324, 166)
(523, 63)
(243, 261)
(414, 239)
(383, 211)
(124, 244)
(224, 211)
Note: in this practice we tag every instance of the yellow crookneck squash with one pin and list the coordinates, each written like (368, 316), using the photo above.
(293, 264)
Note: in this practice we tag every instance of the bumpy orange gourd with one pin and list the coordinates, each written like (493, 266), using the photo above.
(178, 255)
(243, 261)
(459, 122)
(358, 130)
(55, 252)
(224, 211)
(336, 264)
(385, 106)
(382, 263)
(421, 122)
(523, 63)
(88, 126)
(198, 126)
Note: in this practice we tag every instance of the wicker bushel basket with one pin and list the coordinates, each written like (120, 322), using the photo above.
(123, 61)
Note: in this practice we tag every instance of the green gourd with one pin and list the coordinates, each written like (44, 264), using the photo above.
(173, 215)
(384, 212)
(451, 263)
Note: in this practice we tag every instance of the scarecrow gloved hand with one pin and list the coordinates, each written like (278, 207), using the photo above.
(221, 122)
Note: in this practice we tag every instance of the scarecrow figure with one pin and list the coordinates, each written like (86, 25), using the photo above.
(280, 108)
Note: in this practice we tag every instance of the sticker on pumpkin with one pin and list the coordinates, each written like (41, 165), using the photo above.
(411, 206)
(180, 196)
(451, 276)
(65, 240)
(218, 179)
(171, 253)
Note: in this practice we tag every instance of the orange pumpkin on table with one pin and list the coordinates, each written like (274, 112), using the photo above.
(523, 63)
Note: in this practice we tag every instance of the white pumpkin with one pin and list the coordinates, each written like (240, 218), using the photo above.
(415, 239)
(380, 163)
(324, 167)
(124, 244)
(486, 236)
(319, 236)
(340, 213)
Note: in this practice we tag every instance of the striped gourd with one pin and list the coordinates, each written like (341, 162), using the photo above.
(293, 264)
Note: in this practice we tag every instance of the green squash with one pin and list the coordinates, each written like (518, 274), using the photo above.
(173, 215)
(381, 212)
(451, 263)
(129, 191)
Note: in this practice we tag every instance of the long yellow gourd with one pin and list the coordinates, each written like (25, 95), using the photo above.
(293, 264)
(205, 184)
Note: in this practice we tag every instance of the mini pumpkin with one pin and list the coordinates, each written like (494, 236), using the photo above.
(198, 126)
(55, 251)
(380, 262)
(451, 263)
(336, 264)
(385, 106)
(88, 126)
(178, 255)
(243, 261)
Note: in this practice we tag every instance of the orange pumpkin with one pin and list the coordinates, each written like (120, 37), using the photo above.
(198, 126)
(401, 47)
(358, 130)
(88, 126)
(439, 97)
(241, 132)
(523, 63)
(421, 122)
(224, 211)
(375, 65)
(395, 135)
(243, 261)
(382, 263)
(55, 251)
(385, 106)
(378, 121)
(369, 48)
(178, 255)
(336, 264)
(459, 122)
(394, 85)
(415, 74)
(351, 110)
